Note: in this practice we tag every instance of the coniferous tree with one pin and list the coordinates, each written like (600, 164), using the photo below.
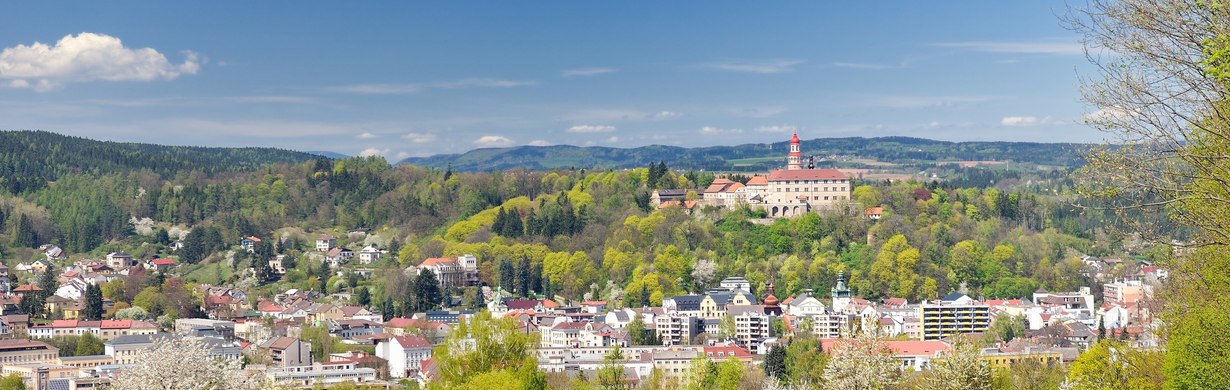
(476, 302)
(362, 296)
(387, 309)
(498, 226)
(427, 291)
(775, 362)
(261, 269)
(93, 303)
(523, 278)
(194, 249)
(23, 233)
(508, 276)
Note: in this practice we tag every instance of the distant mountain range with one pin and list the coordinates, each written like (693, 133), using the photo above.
(755, 157)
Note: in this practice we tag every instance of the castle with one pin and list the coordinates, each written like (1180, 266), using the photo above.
(783, 192)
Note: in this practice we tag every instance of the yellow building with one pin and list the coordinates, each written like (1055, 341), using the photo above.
(29, 371)
(25, 351)
(1005, 359)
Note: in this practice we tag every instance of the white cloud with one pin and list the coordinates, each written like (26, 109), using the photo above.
(777, 129)
(1019, 121)
(591, 129)
(872, 65)
(402, 156)
(612, 140)
(420, 138)
(617, 114)
(365, 135)
(412, 88)
(87, 57)
(578, 72)
(485, 83)
(710, 130)
(764, 66)
(372, 152)
(929, 101)
(1035, 47)
(1109, 115)
(380, 89)
(539, 142)
(489, 141)
(758, 112)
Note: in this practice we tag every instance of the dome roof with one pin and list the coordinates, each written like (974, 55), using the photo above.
(795, 138)
(771, 300)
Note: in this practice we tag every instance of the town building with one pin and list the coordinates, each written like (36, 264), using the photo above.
(942, 319)
(288, 351)
(405, 354)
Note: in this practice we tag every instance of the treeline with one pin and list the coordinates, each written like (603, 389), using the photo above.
(29, 160)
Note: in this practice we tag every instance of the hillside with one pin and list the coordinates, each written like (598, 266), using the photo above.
(751, 157)
(29, 159)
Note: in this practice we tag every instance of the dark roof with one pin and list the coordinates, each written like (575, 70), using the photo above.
(687, 302)
(953, 296)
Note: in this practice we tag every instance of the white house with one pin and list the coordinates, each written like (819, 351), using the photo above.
(405, 354)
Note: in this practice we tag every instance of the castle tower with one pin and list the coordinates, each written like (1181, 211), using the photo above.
(794, 160)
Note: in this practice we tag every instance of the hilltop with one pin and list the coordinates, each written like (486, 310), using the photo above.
(29, 159)
(753, 157)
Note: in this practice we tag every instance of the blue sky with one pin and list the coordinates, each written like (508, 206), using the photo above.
(400, 79)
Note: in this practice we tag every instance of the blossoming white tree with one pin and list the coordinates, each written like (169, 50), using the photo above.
(173, 364)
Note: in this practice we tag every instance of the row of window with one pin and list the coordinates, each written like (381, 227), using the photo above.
(812, 189)
(835, 181)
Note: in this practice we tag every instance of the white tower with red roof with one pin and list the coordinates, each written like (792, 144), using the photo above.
(794, 160)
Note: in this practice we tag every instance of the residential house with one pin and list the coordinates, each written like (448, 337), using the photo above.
(369, 254)
(873, 213)
(325, 242)
(53, 252)
(337, 256)
(161, 265)
(405, 354)
(120, 260)
(349, 329)
(288, 351)
(249, 243)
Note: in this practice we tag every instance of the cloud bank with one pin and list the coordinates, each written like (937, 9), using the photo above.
(87, 57)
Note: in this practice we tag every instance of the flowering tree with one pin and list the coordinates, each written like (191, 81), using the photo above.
(173, 364)
(862, 364)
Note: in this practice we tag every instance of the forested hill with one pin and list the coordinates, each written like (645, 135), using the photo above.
(900, 150)
(29, 159)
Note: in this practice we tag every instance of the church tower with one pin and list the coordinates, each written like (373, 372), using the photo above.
(794, 161)
(841, 293)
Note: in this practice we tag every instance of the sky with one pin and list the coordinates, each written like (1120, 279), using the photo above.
(401, 79)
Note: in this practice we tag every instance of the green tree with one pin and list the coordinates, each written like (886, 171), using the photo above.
(611, 373)
(636, 330)
(427, 291)
(775, 362)
(93, 303)
(88, 345)
(1165, 97)
(12, 382)
(1112, 365)
(362, 296)
(23, 233)
(488, 346)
